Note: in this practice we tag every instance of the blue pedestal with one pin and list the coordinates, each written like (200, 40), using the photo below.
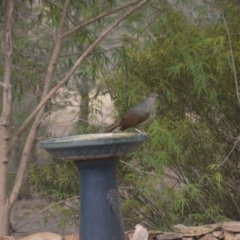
(96, 156)
(100, 213)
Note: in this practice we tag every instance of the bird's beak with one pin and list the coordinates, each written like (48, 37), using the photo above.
(159, 96)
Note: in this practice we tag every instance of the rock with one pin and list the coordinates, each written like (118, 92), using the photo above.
(153, 233)
(169, 235)
(208, 237)
(179, 228)
(188, 238)
(191, 231)
(213, 226)
(218, 234)
(231, 226)
(43, 236)
(140, 233)
(7, 238)
(237, 237)
(129, 234)
(228, 235)
(71, 237)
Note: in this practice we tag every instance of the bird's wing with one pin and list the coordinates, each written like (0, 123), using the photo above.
(112, 126)
(133, 117)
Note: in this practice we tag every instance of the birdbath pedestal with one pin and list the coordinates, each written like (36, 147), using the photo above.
(96, 157)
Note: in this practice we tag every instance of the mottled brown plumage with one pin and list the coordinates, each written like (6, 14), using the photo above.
(141, 114)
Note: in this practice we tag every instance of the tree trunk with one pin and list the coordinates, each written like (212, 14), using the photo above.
(5, 121)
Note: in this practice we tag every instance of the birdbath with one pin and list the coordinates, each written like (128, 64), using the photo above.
(96, 157)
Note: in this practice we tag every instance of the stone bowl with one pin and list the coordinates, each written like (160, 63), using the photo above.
(93, 146)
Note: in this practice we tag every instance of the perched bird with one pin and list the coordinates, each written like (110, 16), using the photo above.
(139, 115)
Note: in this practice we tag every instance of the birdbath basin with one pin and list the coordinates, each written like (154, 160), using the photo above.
(96, 157)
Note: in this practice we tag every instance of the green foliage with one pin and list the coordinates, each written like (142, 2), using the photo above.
(196, 126)
(56, 181)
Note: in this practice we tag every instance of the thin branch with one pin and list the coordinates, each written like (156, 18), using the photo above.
(36, 229)
(234, 201)
(232, 57)
(231, 49)
(54, 4)
(139, 170)
(156, 8)
(206, 211)
(94, 19)
(104, 51)
(52, 223)
(70, 122)
(226, 158)
(79, 120)
(72, 70)
(44, 210)
(42, 24)
(150, 173)
(220, 10)
(232, 187)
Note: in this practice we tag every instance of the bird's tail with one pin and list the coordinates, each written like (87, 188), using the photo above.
(112, 127)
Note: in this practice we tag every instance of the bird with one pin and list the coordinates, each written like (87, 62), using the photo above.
(141, 114)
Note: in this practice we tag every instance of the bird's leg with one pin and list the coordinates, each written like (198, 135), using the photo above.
(138, 130)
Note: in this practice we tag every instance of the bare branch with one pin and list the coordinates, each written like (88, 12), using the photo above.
(102, 15)
(44, 226)
(72, 70)
(42, 24)
(232, 57)
(44, 210)
(54, 4)
(139, 170)
(229, 154)
(223, 13)
(70, 122)
(176, 179)
(235, 188)
(232, 197)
